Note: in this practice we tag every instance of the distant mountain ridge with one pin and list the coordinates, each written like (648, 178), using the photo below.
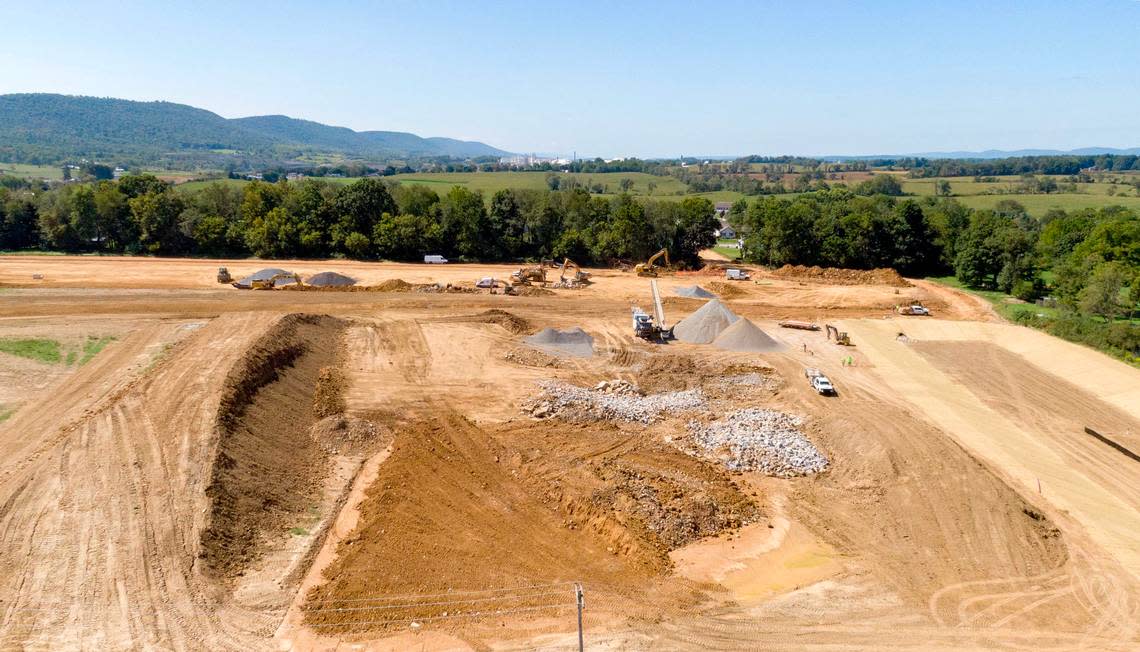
(51, 128)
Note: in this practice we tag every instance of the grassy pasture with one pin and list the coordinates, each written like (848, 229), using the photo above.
(23, 171)
(972, 193)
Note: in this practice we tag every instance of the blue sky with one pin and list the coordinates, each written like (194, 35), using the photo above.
(616, 78)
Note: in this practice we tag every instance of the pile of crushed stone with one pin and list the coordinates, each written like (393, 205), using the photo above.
(330, 280)
(573, 342)
(704, 325)
(759, 440)
(613, 400)
(694, 292)
(746, 337)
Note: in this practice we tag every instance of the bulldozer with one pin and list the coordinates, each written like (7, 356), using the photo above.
(647, 268)
(224, 275)
(271, 282)
(841, 337)
(528, 275)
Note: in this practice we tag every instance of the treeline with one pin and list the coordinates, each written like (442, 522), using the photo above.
(1066, 164)
(368, 219)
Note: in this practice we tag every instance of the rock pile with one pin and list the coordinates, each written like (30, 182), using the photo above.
(330, 279)
(694, 292)
(759, 440)
(613, 400)
(573, 342)
(705, 324)
(744, 336)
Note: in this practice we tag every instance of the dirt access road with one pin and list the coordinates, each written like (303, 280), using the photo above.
(226, 476)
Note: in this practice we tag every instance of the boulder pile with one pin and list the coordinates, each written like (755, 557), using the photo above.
(762, 440)
(611, 400)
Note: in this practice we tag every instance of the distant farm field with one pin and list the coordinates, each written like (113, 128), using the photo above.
(489, 182)
(975, 194)
(32, 171)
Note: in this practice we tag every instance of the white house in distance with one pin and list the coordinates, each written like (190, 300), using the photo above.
(722, 208)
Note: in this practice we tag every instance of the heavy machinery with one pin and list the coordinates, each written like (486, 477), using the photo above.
(914, 308)
(819, 382)
(493, 284)
(528, 275)
(224, 275)
(579, 277)
(652, 328)
(271, 282)
(841, 337)
(647, 268)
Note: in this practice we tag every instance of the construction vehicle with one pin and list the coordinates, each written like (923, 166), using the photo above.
(528, 275)
(647, 268)
(801, 325)
(841, 337)
(492, 283)
(271, 282)
(579, 278)
(734, 274)
(915, 308)
(819, 382)
(224, 275)
(652, 328)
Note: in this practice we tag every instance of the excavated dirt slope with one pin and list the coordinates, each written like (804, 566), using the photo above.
(268, 467)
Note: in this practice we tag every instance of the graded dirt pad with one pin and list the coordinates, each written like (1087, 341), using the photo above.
(268, 468)
(704, 325)
(673, 372)
(570, 342)
(834, 275)
(746, 337)
(571, 503)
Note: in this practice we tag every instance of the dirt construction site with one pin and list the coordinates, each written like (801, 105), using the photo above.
(412, 462)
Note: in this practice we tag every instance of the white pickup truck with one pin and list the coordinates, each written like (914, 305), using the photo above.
(819, 382)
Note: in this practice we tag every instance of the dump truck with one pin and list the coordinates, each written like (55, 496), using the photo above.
(819, 382)
(734, 274)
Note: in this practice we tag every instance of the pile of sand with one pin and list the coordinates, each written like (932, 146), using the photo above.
(694, 292)
(744, 336)
(704, 325)
(330, 279)
(571, 342)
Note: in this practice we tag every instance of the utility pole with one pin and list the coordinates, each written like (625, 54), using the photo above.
(580, 598)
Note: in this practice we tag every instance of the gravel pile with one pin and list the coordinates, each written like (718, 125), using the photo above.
(263, 275)
(573, 342)
(760, 440)
(613, 400)
(330, 280)
(752, 379)
(694, 292)
(704, 325)
(744, 336)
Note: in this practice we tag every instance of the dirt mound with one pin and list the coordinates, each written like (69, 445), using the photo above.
(532, 291)
(704, 325)
(694, 292)
(528, 357)
(328, 398)
(510, 321)
(392, 285)
(344, 434)
(330, 279)
(727, 290)
(268, 469)
(571, 342)
(745, 336)
(837, 276)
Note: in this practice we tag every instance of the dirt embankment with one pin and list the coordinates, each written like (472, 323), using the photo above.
(838, 276)
(268, 468)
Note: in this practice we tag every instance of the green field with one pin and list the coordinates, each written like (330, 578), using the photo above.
(974, 194)
(54, 172)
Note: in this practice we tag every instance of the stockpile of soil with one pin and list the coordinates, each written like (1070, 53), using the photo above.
(330, 279)
(694, 292)
(513, 323)
(344, 434)
(392, 285)
(837, 276)
(704, 325)
(528, 357)
(268, 469)
(744, 336)
(573, 342)
(727, 290)
(532, 291)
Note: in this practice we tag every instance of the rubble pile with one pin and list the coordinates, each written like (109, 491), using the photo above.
(759, 440)
(610, 400)
(752, 379)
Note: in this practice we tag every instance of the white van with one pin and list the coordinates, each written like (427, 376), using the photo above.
(433, 258)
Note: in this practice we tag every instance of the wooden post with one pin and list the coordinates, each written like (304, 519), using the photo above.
(580, 598)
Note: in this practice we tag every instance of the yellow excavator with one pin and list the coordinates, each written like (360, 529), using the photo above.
(580, 277)
(841, 337)
(647, 268)
(271, 282)
(528, 275)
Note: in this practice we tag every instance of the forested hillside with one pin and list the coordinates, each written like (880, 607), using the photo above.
(48, 129)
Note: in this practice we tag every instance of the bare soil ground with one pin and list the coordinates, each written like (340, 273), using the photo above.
(324, 470)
